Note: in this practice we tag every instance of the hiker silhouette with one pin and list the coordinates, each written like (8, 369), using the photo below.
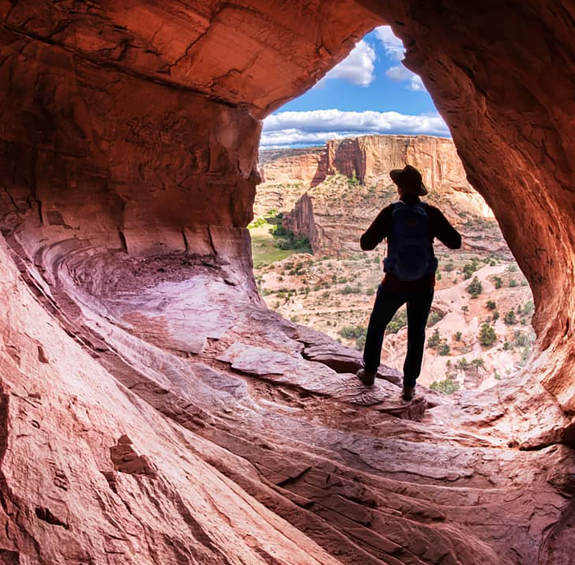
(410, 227)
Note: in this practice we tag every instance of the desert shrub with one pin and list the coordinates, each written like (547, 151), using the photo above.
(398, 321)
(463, 364)
(512, 283)
(491, 305)
(510, 318)
(435, 340)
(352, 332)
(347, 289)
(257, 223)
(528, 307)
(520, 338)
(434, 317)
(498, 282)
(444, 349)
(487, 335)
(457, 336)
(477, 363)
(447, 386)
(470, 268)
(475, 288)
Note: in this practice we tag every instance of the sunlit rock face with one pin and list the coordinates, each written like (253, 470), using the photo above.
(307, 186)
(152, 410)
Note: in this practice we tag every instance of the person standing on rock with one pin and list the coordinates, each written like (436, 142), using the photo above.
(410, 227)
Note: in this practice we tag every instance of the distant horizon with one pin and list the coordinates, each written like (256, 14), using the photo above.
(345, 137)
(370, 92)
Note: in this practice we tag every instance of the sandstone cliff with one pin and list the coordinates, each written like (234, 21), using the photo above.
(316, 188)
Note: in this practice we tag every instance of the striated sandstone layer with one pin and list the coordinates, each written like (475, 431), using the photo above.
(153, 412)
(333, 212)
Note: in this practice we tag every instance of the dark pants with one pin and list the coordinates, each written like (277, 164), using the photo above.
(386, 305)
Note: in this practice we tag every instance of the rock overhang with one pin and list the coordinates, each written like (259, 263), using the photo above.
(117, 139)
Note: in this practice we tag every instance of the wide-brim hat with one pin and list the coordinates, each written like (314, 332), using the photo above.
(409, 180)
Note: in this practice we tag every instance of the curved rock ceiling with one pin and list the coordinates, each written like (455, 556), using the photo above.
(152, 410)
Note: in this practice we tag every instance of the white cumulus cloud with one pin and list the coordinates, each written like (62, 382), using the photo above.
(394, 49)
(400, 73)
(358, 67)
(317, 126)
(392, 45)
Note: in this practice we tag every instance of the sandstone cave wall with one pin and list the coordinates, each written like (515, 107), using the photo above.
(106, 158)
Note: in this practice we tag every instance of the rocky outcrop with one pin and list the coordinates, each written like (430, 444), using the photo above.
(334, 213)
(308, 166)
(152, 410)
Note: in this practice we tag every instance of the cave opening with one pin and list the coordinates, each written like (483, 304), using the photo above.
(131, 323)
(324, 161)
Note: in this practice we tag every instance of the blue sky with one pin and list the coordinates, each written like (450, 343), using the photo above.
(369, 92)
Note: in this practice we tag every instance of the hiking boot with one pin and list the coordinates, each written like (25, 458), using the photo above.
(408, 393)
(366, 377)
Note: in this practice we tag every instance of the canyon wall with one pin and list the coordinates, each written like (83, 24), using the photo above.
(333, 212)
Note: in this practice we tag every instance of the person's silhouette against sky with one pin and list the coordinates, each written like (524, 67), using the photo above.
(410, 227)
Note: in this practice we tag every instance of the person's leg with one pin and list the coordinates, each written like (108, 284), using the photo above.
(386, 305)
(418, 307)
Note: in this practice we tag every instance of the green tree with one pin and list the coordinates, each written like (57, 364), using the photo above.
(475, 288)
(491, 305)
(487, 335)
(498, 282)
(457, 336)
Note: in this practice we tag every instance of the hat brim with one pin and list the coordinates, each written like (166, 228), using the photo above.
(421, 190)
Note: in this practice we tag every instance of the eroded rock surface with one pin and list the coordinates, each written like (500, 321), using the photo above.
(247, 445)
(128, 155)
(317, 189)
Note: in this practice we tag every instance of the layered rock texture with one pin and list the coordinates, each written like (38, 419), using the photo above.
(153, 412)
(332, 194)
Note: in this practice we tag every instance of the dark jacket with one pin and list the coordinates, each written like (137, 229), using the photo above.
(381, 228)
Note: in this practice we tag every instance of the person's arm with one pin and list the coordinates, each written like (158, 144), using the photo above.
(379, 229)
(444, 231)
